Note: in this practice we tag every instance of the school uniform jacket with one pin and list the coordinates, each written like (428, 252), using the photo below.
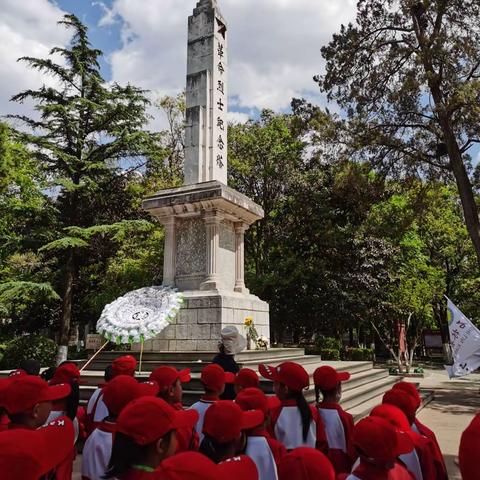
(423, 449)
(201, 407)
(64, 470)
(286, 427)
(97, 451)
(367, 471)
(187, 438)
(266, 452)
(439, 462)
(339, 432)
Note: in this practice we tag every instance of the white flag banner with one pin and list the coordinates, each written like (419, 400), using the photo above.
(465, 343)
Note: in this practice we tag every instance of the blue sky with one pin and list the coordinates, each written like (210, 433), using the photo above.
(274, 46)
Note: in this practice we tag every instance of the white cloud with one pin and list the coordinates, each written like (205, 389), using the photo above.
(27, 28)
(238, 117)
(274, 46)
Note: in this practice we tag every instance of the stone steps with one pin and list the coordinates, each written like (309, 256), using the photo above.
(365, 384)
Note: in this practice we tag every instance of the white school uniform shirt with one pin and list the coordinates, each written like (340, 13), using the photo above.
(288, 429)
(259, 451)
(333, 429)
(96, 403)
(201, 407)
(96, 454)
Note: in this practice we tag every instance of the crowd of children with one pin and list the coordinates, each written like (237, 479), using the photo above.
(139, 430)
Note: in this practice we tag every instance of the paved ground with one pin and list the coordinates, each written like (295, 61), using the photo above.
(455, 404)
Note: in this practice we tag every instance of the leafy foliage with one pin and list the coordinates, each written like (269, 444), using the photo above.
(407, 75)
(29, 347)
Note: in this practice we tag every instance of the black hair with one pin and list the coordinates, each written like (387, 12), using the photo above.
(17, 418)
(305, 412)
(72, 401)
(325, 393)
(108, 374)
(48, 374)
(213, 449)
(126, 453)
(221, 348)
(31, 366)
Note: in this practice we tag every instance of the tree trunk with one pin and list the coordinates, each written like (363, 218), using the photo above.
(465, 189)
(67, 302)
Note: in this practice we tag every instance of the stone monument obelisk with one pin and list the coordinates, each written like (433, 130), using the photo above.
(205, 220)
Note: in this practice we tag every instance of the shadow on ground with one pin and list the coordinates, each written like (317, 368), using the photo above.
(454, 402)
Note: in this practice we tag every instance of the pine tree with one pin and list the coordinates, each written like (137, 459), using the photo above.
(85, 131)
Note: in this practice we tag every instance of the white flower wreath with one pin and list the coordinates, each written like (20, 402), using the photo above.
(139, 315)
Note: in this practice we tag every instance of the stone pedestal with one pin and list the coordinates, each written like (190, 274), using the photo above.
(205, 225)
(198, 325)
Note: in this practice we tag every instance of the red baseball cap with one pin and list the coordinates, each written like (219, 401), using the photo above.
(125, 365)
(376, 439)
(189, 466)
(411, 389)
(253, 399)
(238, 468)
(148, 419)
(225, 420)
(305, 463)
(327, 378)
(393, 415)
(291, 374)
(30, 454)
(214, 377)
(404, 401)
(247, 378)
(167, 376)
(121, 390)
(66, 373)
(470, 450)
(24, 392)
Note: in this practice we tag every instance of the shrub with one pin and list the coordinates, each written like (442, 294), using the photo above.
(359, 354)
(329, 343)
(30, 346)
(330, 354)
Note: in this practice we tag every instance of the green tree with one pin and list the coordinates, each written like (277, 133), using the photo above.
(91, 134)
(408, 75)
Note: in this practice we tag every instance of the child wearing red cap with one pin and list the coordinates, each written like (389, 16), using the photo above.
(264, 450)
(338, 423)
(246, 378)
(224, 430)
(419, 461)
(404, 398)
(379, 445)
(213, 379)
(96, 408)
(170, 382)
(294, 422)
(117, 394)
(145, 436)
(28, 401)
(30, 454)
(306, 464)
(470, 450)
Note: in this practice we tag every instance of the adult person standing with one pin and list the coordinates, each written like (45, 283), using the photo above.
(232, 342)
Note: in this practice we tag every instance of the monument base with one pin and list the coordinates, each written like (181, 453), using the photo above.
(204, 314)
